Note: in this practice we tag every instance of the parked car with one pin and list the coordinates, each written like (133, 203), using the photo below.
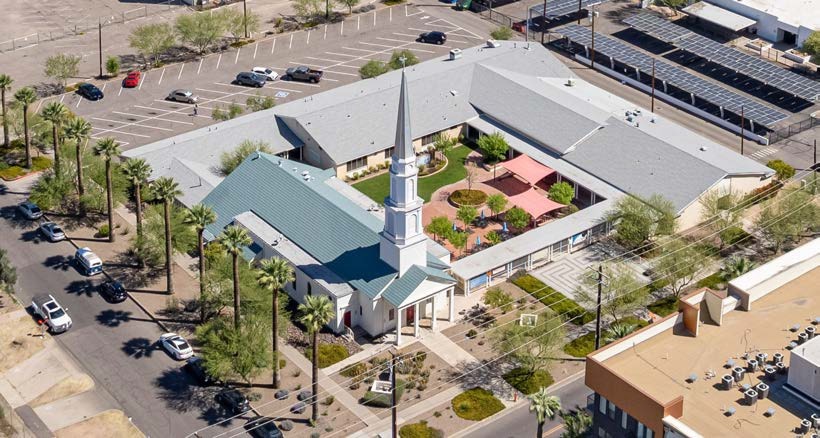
(196, 367)
(52, 231)
(266, 72)
(132, 79)
(251, 79)
(88, 262)
(303, 73)
(113, 291)
(233, 401)
(53, 315)
(184, 96)
(434, 37)
(90, 91)
(263, 427)
(176, 346)
(30, 210)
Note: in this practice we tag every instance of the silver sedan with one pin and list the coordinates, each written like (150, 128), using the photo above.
(52, 231)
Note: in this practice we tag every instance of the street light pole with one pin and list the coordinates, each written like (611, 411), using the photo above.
(245, 11)
(543, 21)
(579, 12)
(394, 413)
(742, 128)
(99, 24)
(592, 50)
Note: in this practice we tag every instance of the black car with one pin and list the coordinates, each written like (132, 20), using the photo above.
(113, 291)
(263, 427)
(434, 37)
(197, 369)
(90, 91)
(234, 401)
(251, 79)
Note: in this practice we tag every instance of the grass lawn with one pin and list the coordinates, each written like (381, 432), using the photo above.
(553, 299)
(378, 187)
(585, 344)
(527, 382)
(476, 404)
(664, 306)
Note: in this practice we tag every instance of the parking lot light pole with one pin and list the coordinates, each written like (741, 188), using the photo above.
(653, 85)
(99, 24)
(592, 49)
(742, 128)
(245, 11)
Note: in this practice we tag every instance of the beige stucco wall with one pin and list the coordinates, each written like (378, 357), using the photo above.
(691, 216)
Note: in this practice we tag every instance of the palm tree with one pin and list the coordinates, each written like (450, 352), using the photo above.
(25, 97)
(108, 149)
(57, 114)
(576, 423)
(274, 274)
(545, 406)
(137, 171)
(5, 85)
(735, 267)
(166, 190)
(200, 216)
(234, 239)
(314, 314)
(79, 130)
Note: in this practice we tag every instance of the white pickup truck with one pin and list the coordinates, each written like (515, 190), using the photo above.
(52, 314)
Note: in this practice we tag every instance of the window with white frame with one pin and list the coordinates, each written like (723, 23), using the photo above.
(356, 164)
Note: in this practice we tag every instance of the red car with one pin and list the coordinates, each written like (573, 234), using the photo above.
(132, 79)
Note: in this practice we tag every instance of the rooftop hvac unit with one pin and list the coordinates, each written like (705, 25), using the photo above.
(762, 390)
(455, 54)
(815, 418)
(805, 425)
(751, 365)
(811, 331)
(771, 372)
(802, 337)
(750, 397)
(728, 381)
(493, 44)
(778, 357)
(761, 358)
(737, 373)
(570, 82)
(781, 368)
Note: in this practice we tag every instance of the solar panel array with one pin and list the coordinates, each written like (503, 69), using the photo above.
(557, 8)
(728, 57)
(673, 75)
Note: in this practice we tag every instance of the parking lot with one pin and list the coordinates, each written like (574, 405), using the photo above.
(141, 115)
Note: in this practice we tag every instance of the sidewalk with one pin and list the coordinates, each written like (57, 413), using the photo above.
(382, 427)
(369, 351)
(446, 349)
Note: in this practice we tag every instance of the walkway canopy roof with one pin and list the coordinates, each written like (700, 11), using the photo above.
(717, 15)
(534, 203)
(528, 169)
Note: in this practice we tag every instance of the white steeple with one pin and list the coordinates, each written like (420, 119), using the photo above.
(403, 243)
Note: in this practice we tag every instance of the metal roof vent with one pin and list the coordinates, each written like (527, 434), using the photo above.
(704, 149)
(454, 92)
(305, 173)
(570, 82)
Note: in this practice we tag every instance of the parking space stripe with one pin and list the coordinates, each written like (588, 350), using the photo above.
(144, 78)
(235, 60)
(78, 102)
(308, 38)
(218, 60)
(117, 131)
(255, 48)
(291, 41)
(324, 68)
(365, 50)
(325, 36)
(161, 75)
(374, 18)
(416, 36)
(200, 65)
(137, 123)
(457, 28)
(358, 21)
(120, 92)
(342, 54)
(391, 14)
(393, 40)
(140, 115)
(103, 88)
(180, 70)
(322, 59)
(273, 46)
(39, 104)
(62, 97)
(342, 28)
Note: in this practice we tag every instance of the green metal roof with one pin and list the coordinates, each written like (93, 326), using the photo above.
(403, 287)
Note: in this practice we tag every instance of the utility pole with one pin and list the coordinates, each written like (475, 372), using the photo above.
(543, 21)
(742, 128)
(598, 307)
(579, 12)
(394, 404)
(99, 24)
(245, 11)
(653, 85)
(592, 50)
(815, 152)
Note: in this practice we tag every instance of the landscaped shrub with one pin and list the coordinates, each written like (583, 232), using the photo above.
(664, 306)
(472, 334)
(476, 404)
(329, 354)
(381, 400)
(420, 430)
(714, 281)
(354, 369)
(468, 197)
(40, 163)
(528, 382)
(761, 194)
(583, 345)
(12, 172)
(501, 33)
(553, 299)
(733, 235)
(103, 231)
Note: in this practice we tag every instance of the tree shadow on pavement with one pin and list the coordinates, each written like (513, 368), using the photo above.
(181, 394)
(59, 262)
(14, 218)
(113, 318)
(33, 236)
(126, 270)
(484, 374)
(81, 288)
(140, 347)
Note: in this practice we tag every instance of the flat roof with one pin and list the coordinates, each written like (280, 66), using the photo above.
(794, 12)
(660, 364)
(717, 15)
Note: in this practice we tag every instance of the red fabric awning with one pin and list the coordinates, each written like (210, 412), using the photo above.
(534, 203)
(528, 169)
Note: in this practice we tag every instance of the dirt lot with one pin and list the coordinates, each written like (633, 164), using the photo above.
(108, 423)
(16, 341)
(65, 388)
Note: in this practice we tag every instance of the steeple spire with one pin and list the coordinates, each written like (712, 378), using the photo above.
(404, 140)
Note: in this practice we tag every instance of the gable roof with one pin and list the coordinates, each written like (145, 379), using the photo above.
(400, 290)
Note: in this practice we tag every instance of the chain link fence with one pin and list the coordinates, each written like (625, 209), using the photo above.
(793, 129)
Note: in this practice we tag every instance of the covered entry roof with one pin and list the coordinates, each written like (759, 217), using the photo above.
(528, 169)
(717, 15)
(534, 203)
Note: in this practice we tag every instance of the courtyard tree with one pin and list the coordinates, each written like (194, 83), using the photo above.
(165, 190)
(459, 240)
(545, 406)
(783, 170)
(373, 68)
(638, 221)
(494, 147)
(679, 264)
(62, 66)
(622, 293)
(56, 114)
(531, 346)
(812, 45)
(497, 202)
(8, 273)
(470, 175)
(562, 192)
(466, 214)
(152, 40)
(79, 130)
(274, 274)
(25, 97)
(443, 144)
(232, 159)
(402, 58)
(501, 33)
(237, 23)
(137, 170)
(517, 218)
(229, 351)
(316, 311)
(721, 212)
(439, 226)
(234, 239)
(496, 298)
(200, 216)
(201, 30)
(108, 149)
(5, 85)
(787, 217)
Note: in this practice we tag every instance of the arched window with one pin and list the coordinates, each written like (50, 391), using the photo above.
(416, 225)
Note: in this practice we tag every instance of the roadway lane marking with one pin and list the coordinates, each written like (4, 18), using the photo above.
(117, 131)
(218, 60)
(144, 78)
(273, 46)
(180, 71)
(200, 65)
(235, 60)
(161, 75)
(255, 48)
(136, 123)
(290, 45)
(140, 115)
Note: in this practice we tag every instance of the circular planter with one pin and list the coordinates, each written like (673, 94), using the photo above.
(472, 198)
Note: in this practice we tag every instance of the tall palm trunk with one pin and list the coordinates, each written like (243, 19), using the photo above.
(138, 189)
(275, 330)
(201, 249)
(80, 186)
(109, 188)
(27, 137)
(5, 119)
(236, 290)
(315, 384)
(56, 142)
(169, 282)
(539, 433)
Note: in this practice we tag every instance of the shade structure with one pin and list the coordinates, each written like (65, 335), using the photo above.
(534, 203)
(527, 169)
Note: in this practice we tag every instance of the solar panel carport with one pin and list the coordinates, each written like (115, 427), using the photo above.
(559, 8)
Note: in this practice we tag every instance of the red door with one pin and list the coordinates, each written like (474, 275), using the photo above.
(348, 317)
(410, 312)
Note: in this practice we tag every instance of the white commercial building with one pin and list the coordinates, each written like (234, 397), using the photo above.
(789, 21)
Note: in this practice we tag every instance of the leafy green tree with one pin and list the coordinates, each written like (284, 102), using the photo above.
(639, 221)
(55, 113)
(466, 214)
(108, 149)
(5, 85)
(201, 30)
(576, 423)
(259, 103)
(443, 144)
(562, 192)
(229, 161)
(679, 264)
(8, 273)
(439, 227)
(112, 66)
(531, 346)
(373, 68)
(787, 217)
(239, 24)
(497, 202)
(350, 4)
(498, 299)
(152, 39)
(783, 170)
(165, 190)
(62, 66)
(734, 267)
(229, 351)
(396, 63)
(545, 406)
(274, 274)
(25, 97)
(622, 294)
(234, 239)
(517, 218)
(502, 33)
(721, 210)
(307, 10)
(314, 314)
(493, 237)
(200, 216)
(459, 240)
(51, 190)
(137, 171)
(79, 130)
(812, 45)
(494, 147)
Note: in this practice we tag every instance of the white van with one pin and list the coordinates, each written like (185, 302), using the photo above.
(87, 261)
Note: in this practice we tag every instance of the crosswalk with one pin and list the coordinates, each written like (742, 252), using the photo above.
(763, 153)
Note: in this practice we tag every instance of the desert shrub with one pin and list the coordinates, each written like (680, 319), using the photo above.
(733, 235)
(664, 306)
(528, 382)
(476, 404)
(103, 231)
(354, 370)
(420, 430)
(329, 354)
(501, 33)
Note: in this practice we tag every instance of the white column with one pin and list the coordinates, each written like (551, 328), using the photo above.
(433, 325)
(416, 320)
(452, 293)
(398, 326)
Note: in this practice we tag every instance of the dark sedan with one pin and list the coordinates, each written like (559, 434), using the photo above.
(251, 79)
(234, 401)
(196, 368)
(434, 37)
(90, 91)
(263, 427)
(113, 292)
